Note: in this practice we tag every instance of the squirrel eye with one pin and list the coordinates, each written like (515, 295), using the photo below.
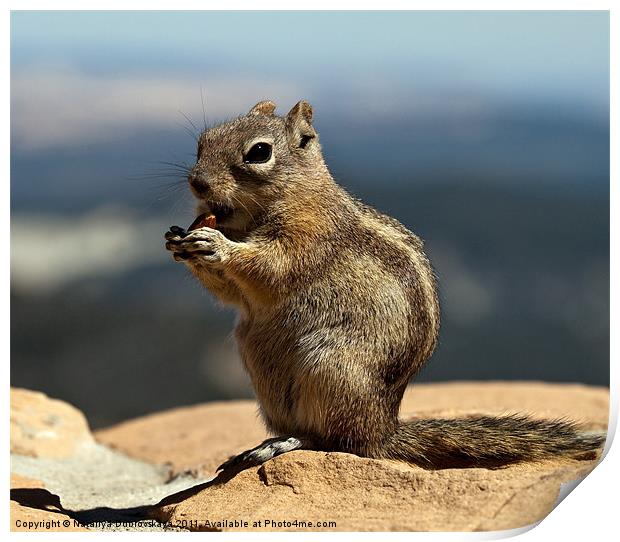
(258, 154)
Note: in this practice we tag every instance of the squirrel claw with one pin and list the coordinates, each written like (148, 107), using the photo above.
(175, 231)
(178, 230)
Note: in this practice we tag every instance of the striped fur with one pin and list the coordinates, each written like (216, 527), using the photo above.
(338, 305)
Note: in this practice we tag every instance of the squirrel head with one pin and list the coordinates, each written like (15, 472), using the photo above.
(247, 167)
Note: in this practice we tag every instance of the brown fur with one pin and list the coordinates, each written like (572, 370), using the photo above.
(337, 303)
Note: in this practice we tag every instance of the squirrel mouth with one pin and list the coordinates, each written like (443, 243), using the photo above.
(221, 211)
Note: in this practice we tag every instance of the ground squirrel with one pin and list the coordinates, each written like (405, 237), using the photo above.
(337, 305)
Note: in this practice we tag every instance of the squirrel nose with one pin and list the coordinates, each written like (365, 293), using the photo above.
(198, 182)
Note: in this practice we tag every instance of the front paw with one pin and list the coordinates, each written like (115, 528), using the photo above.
(204, 245)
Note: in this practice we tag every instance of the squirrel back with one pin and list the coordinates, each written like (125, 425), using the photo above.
(338, 305)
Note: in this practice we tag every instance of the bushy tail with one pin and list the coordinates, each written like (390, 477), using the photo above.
(487, 441)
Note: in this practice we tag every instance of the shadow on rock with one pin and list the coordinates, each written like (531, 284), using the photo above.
(222, 477)
(42, 499)
(38, 498)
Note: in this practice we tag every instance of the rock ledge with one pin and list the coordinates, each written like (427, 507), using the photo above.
(303, 490)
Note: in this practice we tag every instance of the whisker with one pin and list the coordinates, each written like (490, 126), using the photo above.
(190, 121)
(175, 174)
(244, 206)
(169, 187)
(194, 136)
(165, 195)
(204, 114)
(250, 214)
(159, 174)
(255, 201)
(183, 167)
(181, 201)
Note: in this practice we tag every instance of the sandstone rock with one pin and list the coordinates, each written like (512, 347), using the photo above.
(44, 427)
(34, 509)
(353, 493)
(197, 438)
(356, 493)
(201, 437)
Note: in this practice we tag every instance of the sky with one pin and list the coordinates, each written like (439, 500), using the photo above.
(82, 76)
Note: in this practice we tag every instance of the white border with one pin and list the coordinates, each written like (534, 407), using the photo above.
(589, 511)
(317, 5)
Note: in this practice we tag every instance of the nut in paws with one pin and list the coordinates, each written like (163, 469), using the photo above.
(205, 244)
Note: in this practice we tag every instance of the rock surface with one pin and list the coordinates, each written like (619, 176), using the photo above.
(353, 492)
(44, 427)
(201, 437)
(196, 438)
(76, 483)
(362, 494)
(126, 470)
(47, 518)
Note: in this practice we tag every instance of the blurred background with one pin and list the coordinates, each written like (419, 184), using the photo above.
(486, 133)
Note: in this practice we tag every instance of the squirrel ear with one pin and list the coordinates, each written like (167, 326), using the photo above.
(266, 107)
(299, 124)
(301, 109)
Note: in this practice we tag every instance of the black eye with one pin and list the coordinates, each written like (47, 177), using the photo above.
(258, 154)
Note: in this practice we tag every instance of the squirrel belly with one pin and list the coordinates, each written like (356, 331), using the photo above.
(338, 305)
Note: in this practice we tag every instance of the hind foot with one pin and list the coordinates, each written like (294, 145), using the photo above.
(264, 452)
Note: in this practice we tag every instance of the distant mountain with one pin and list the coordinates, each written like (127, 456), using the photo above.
(543, 148)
